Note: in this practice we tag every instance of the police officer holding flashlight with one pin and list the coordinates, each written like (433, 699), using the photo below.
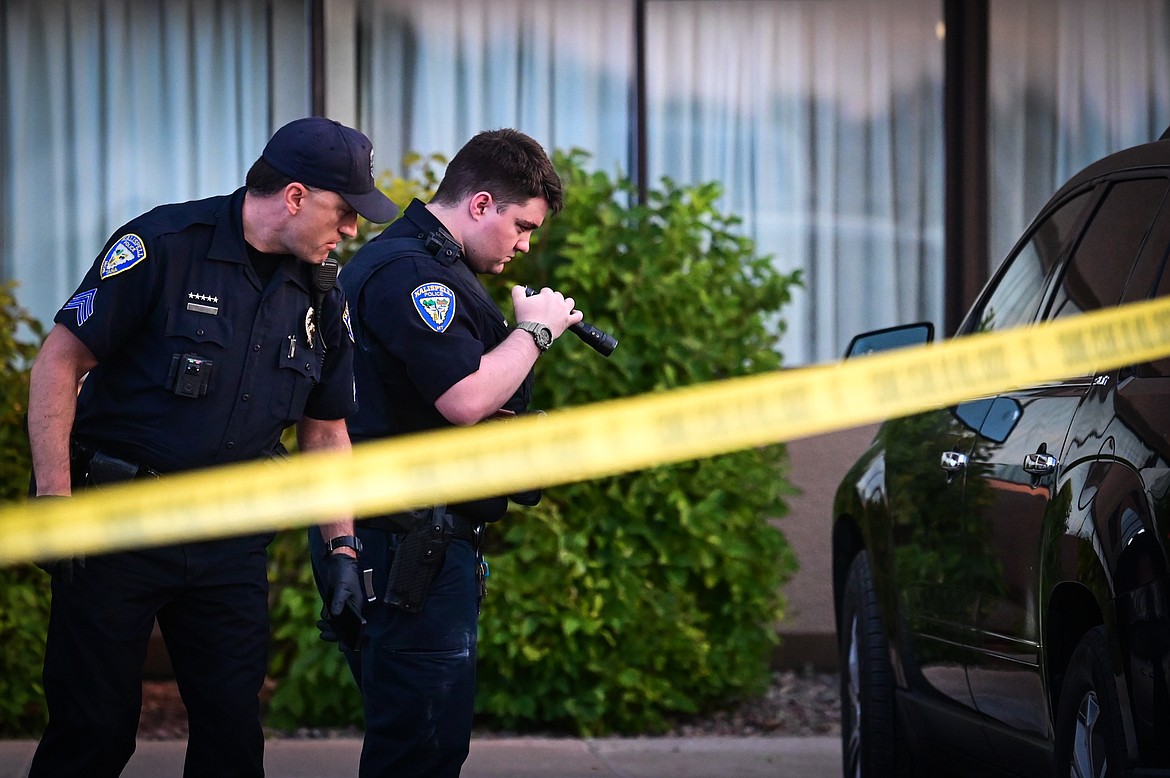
(202, 332)
(433, 351)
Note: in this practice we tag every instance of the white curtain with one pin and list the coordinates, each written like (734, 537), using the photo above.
(114, 106)
(1070, 82)
(823, 121)
(434, 73)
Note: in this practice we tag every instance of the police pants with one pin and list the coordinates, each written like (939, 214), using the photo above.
(416, 671)
(211, 602)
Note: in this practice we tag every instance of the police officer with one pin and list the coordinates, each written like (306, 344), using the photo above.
(434, 350)
(202, 331)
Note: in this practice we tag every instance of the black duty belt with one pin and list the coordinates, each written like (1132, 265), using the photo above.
(460, 528)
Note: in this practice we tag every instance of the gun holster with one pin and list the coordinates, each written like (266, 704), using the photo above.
(93, 467)
(418, 558)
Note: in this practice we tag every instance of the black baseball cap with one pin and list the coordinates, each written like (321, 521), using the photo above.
(322, 153)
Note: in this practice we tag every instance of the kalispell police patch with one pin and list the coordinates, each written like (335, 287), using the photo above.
(126, 252)
(435, 304)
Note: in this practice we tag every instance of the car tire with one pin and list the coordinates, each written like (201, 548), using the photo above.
(1090, 739)
(868, 726)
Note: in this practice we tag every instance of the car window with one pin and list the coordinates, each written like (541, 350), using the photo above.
(1096, 274)
(1150, 279)
(1015, 300)
(1159, 368)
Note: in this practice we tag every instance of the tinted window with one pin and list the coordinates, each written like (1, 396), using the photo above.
(1150, 279)
(1016, 297)
(1097, 272)
(1159, 368)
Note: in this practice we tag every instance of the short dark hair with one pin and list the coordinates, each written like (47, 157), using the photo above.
(264, 179)
(508, 164)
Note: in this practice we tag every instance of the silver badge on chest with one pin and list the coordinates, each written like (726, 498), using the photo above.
(310, 326)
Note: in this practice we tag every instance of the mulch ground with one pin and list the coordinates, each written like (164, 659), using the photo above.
(795, 704)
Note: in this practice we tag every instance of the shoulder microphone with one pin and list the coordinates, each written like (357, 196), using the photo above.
(325, 274)
(601, 342)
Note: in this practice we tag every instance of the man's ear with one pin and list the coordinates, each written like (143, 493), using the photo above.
(294, 196)
(479, 204)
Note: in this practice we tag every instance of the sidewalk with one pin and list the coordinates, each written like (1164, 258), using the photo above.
(702, 757)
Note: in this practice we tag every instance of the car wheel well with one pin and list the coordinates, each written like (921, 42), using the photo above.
(847, 544)
(1072, 612)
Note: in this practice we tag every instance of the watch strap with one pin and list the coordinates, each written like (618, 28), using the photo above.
(348, 541)
(532, 328)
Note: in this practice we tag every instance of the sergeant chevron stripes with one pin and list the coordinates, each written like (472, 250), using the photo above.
(82, 303)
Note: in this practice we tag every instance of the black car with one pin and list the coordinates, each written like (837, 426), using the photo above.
(1000, 567)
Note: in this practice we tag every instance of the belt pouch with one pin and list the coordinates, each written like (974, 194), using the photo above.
(105, 469)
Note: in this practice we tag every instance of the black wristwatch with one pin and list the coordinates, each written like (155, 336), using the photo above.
(348, 541)
(541, 334)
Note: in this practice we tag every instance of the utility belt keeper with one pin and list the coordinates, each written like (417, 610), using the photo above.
(422, 548)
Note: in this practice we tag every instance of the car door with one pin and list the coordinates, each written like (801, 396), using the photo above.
(1014, 481)
(927, 544)
(941, 559)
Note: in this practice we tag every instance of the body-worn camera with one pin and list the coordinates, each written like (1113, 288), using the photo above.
(190, 374)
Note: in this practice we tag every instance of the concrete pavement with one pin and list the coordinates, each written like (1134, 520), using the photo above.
(698, 757)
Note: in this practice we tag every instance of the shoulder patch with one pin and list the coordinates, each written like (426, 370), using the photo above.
(435, 303)
(126, 252)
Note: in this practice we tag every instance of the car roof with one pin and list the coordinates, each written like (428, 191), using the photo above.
(1143, 157)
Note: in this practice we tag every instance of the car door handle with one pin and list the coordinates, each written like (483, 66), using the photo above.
(953, 461)
(1040, 463)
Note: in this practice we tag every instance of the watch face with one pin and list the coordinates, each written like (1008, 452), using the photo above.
(543, 337)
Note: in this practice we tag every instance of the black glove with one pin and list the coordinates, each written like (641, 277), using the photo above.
(61, 569)
(325, 627)
(341, 615)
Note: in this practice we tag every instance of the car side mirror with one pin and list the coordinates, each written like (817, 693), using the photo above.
(992, 417)
(890, 338)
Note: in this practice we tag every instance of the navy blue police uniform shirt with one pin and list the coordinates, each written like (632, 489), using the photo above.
(175, 285)
(422, 322)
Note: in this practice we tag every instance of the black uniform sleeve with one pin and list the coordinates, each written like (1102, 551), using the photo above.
(117, 294)
(420, 316)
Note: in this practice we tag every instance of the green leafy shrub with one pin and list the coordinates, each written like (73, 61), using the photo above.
(24, 590)
(616, 603)
(620, 602)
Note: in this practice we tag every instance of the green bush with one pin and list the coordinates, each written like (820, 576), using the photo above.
(616, 603)
(24, 590)
(620, 602)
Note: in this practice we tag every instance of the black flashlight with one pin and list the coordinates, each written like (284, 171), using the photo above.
(602, 342)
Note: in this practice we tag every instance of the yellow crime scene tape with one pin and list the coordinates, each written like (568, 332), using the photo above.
(579, 444)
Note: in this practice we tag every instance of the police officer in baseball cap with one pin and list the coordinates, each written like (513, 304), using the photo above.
(201, 335)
